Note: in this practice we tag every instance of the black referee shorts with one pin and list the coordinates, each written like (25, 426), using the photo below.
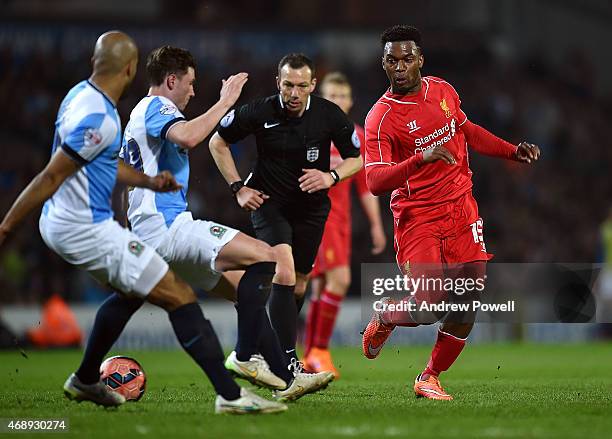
(297, 225)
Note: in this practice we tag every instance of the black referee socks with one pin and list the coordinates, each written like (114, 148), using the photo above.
(197, 336)
(283, 315)
(253, 292)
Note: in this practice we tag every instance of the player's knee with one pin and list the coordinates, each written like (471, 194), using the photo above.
(338, 284)
(284, 275)
(264, 253)
(259, 251)
(300, 289)
(171, 293)
(457, 329)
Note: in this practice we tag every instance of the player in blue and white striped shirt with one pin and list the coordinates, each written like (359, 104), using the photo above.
(77, 224)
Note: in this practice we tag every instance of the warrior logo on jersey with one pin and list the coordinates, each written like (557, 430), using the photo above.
(167, 109)
(92, 137)
(355, 139)
(135, 248)
(227, 119)
(217, 231)
(312, 153)
(444, 107)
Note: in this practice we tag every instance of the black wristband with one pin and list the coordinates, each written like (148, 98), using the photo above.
(335, 176)
(236, 186)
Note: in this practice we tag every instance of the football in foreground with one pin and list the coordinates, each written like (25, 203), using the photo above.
(125, 376)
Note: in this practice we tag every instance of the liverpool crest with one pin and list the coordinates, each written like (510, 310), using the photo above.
(444, 107)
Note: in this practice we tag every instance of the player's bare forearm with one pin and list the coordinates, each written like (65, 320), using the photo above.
(40, 189)
(163, 182)
(190, 134)
(349, 167)
(130, 177)
(371, 207)
(222, 155)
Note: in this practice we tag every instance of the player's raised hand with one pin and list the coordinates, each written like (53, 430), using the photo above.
(439, 153)
(250, 199)
(164, 182)
(314, 180)
(527, 152)
(232, 87)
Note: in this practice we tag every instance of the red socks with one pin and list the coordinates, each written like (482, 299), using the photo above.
(445, 352)
(320, 321)
(311, 324)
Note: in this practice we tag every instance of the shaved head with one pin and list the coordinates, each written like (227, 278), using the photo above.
(113, 52)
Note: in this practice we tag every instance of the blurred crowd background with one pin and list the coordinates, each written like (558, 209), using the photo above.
(525, 70)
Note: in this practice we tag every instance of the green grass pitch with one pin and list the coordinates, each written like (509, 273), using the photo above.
(501, 391)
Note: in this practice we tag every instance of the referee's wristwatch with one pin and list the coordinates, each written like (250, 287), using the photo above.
(335, 176)
(236, 186)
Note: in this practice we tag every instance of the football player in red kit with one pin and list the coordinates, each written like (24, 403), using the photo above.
(417, 139)
(331, 274)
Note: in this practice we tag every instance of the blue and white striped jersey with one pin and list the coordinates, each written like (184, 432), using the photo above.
(146, 148)
(88, 129)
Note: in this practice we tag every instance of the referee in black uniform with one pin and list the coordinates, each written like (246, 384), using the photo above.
(287, 191)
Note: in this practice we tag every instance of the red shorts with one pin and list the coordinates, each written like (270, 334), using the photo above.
(334, 250)
(448, 234)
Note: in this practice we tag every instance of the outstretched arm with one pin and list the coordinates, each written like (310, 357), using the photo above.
(487, 143)
(190, 134)
(40, 189)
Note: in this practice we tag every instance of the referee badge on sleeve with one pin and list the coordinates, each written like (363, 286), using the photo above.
(355, 140)
(227, 119)
(312, 153)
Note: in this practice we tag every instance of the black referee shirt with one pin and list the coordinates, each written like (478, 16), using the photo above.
(286, 145)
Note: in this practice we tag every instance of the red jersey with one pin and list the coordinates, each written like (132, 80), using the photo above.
(340, 194)
(399, 128)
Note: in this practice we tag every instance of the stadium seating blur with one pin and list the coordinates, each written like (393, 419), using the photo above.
(551, 212)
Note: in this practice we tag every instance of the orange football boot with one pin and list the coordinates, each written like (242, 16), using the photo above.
(430, 388)
(319, 360)
(375, 335)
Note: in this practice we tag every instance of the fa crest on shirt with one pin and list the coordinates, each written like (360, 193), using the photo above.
(312, 153)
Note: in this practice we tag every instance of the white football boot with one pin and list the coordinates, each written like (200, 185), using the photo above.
(248, 403)
(303, 383)
(97, 393)
(255, 370)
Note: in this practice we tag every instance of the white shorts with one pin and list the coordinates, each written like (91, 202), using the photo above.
(191, 248)
(110, 253)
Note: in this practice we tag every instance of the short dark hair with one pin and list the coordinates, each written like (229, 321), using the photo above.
(401, 32)
(296, 61)
(167, 60)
